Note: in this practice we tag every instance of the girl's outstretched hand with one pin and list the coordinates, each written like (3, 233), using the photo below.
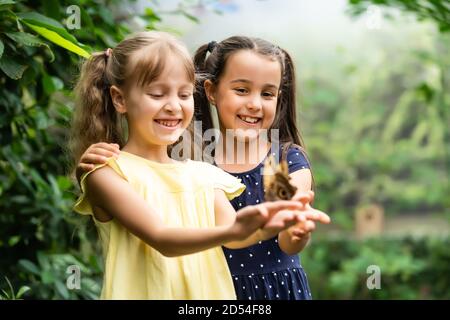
(308, 217)
(270, 217)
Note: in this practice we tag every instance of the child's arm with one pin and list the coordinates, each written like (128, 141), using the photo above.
(113, 195)
(226, 215)
(295, 239)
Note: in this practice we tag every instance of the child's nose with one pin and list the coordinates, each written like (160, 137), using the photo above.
(254, 104)
(173, 104)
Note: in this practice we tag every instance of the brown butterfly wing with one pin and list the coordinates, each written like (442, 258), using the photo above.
(276, 181)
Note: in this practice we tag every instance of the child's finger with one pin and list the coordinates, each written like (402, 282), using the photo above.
(280, 220)
(299, 232)
(317, 215)
(299, 216)
(254, 211)
(282, 205)
(107, 147)
(104, 152)
(310, 226)
(94, 159)
(263, 211)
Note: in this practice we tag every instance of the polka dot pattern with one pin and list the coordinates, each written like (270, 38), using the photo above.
(274, 274)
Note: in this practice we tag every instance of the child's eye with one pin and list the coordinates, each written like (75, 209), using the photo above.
(185, 95)
(268, 95)
(241, 90)
(155, 95)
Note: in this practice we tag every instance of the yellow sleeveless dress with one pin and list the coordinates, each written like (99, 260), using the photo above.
(183, 194)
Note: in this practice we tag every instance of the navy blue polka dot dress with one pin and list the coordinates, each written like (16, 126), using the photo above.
(263, 271)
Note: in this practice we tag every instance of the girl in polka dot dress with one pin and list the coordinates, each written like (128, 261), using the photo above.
(251, 85)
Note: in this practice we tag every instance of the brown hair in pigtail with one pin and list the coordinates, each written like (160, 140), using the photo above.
(95, 118)
(286, 115)
(202, 109)
(285, 119)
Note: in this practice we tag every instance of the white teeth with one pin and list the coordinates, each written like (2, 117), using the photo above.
(168, 123)
(249, 119)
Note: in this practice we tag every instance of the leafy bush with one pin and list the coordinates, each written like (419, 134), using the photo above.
(411, 268)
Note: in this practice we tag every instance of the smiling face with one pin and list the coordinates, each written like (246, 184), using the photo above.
(246, 94)
(158, 113)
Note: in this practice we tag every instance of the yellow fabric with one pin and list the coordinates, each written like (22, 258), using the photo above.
(183, 194)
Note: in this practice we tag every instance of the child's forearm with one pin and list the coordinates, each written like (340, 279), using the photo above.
(172, 242)
(251, 240)
(290, 246)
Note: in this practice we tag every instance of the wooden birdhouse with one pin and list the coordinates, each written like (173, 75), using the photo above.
(369, 221)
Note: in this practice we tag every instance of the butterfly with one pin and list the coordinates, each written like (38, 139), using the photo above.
(276, 181)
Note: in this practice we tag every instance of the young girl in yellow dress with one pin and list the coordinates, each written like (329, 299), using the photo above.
(161, 222)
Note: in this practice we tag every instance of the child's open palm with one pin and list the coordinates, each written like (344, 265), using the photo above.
(308, 217)
(269, 217)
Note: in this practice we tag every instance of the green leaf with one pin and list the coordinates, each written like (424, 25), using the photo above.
(51, 84)
(2, 47)
(5, 2)
(47, 277)
(39, 20)
(25, 39)
(11, 68)
(28, 39)
(29, 266)
(62, 289)
(13, 240)
(5, 295)
(151, 15)
(22, 291)
(43, 21)
(64, 183)
(59, 40)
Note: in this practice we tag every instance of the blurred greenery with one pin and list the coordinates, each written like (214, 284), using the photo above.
(410, 268)
(377, 125)
(436, 11)
(380, 136)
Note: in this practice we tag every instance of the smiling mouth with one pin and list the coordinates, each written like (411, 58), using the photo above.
(249, 120)
(168, 123)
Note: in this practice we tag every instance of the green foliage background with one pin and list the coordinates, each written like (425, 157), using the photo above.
(380, 136)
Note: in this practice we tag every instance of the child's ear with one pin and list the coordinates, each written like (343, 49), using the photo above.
(210, 91)
(118, 99)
